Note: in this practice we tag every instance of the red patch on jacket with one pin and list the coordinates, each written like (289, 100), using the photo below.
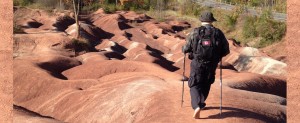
(206, 43)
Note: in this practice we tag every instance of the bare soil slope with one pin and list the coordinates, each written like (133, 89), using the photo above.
(6, 85)
(132, 75)
(293, 60)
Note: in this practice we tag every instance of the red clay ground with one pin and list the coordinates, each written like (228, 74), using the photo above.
(132, 74)
(6, 86)
(293, 60)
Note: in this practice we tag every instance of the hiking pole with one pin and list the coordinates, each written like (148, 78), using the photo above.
(183, 78)
(221, 85)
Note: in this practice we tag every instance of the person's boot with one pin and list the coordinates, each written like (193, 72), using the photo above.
(197, 113)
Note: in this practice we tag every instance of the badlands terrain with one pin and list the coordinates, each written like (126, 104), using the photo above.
(129, 70)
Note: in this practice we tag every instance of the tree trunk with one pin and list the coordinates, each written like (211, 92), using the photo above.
(77, 27)
(60, 6)
(76, 13)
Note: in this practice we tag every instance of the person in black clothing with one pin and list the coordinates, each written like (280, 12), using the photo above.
(206, 46)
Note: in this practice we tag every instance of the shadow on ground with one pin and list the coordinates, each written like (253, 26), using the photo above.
(240, 113)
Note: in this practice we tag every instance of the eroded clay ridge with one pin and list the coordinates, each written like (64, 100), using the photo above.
(130, 72)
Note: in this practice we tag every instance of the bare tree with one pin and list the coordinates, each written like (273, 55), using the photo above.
(159, 8)
(76, 14)
(60, 3)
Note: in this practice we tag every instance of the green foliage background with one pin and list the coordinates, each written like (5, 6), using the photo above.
(261, 27)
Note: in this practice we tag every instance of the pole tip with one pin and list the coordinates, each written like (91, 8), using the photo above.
(184, 78)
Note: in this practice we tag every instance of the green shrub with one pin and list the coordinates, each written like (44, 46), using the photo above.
(191, 8)
(280, 31)
(16, 3)
(22, 2)
(249, 29)
(110, 8)
(277, 5)
(93, 7)
(197, 11)
(230, 21)
(81, 45)
(109, 1)
(269, 30)
(131, 6)
(280, 7)
(48, 3)
(266, 15)
(255, 2)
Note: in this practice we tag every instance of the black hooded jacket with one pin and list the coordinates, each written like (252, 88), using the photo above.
(203, 73)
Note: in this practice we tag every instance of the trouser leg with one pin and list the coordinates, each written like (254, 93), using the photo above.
(205, 91)
(199, 95)
(195, 97)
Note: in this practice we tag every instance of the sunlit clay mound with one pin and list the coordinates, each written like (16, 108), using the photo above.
(134, 17)
(112, 23)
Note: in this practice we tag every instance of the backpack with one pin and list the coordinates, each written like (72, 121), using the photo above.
(205, 47)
